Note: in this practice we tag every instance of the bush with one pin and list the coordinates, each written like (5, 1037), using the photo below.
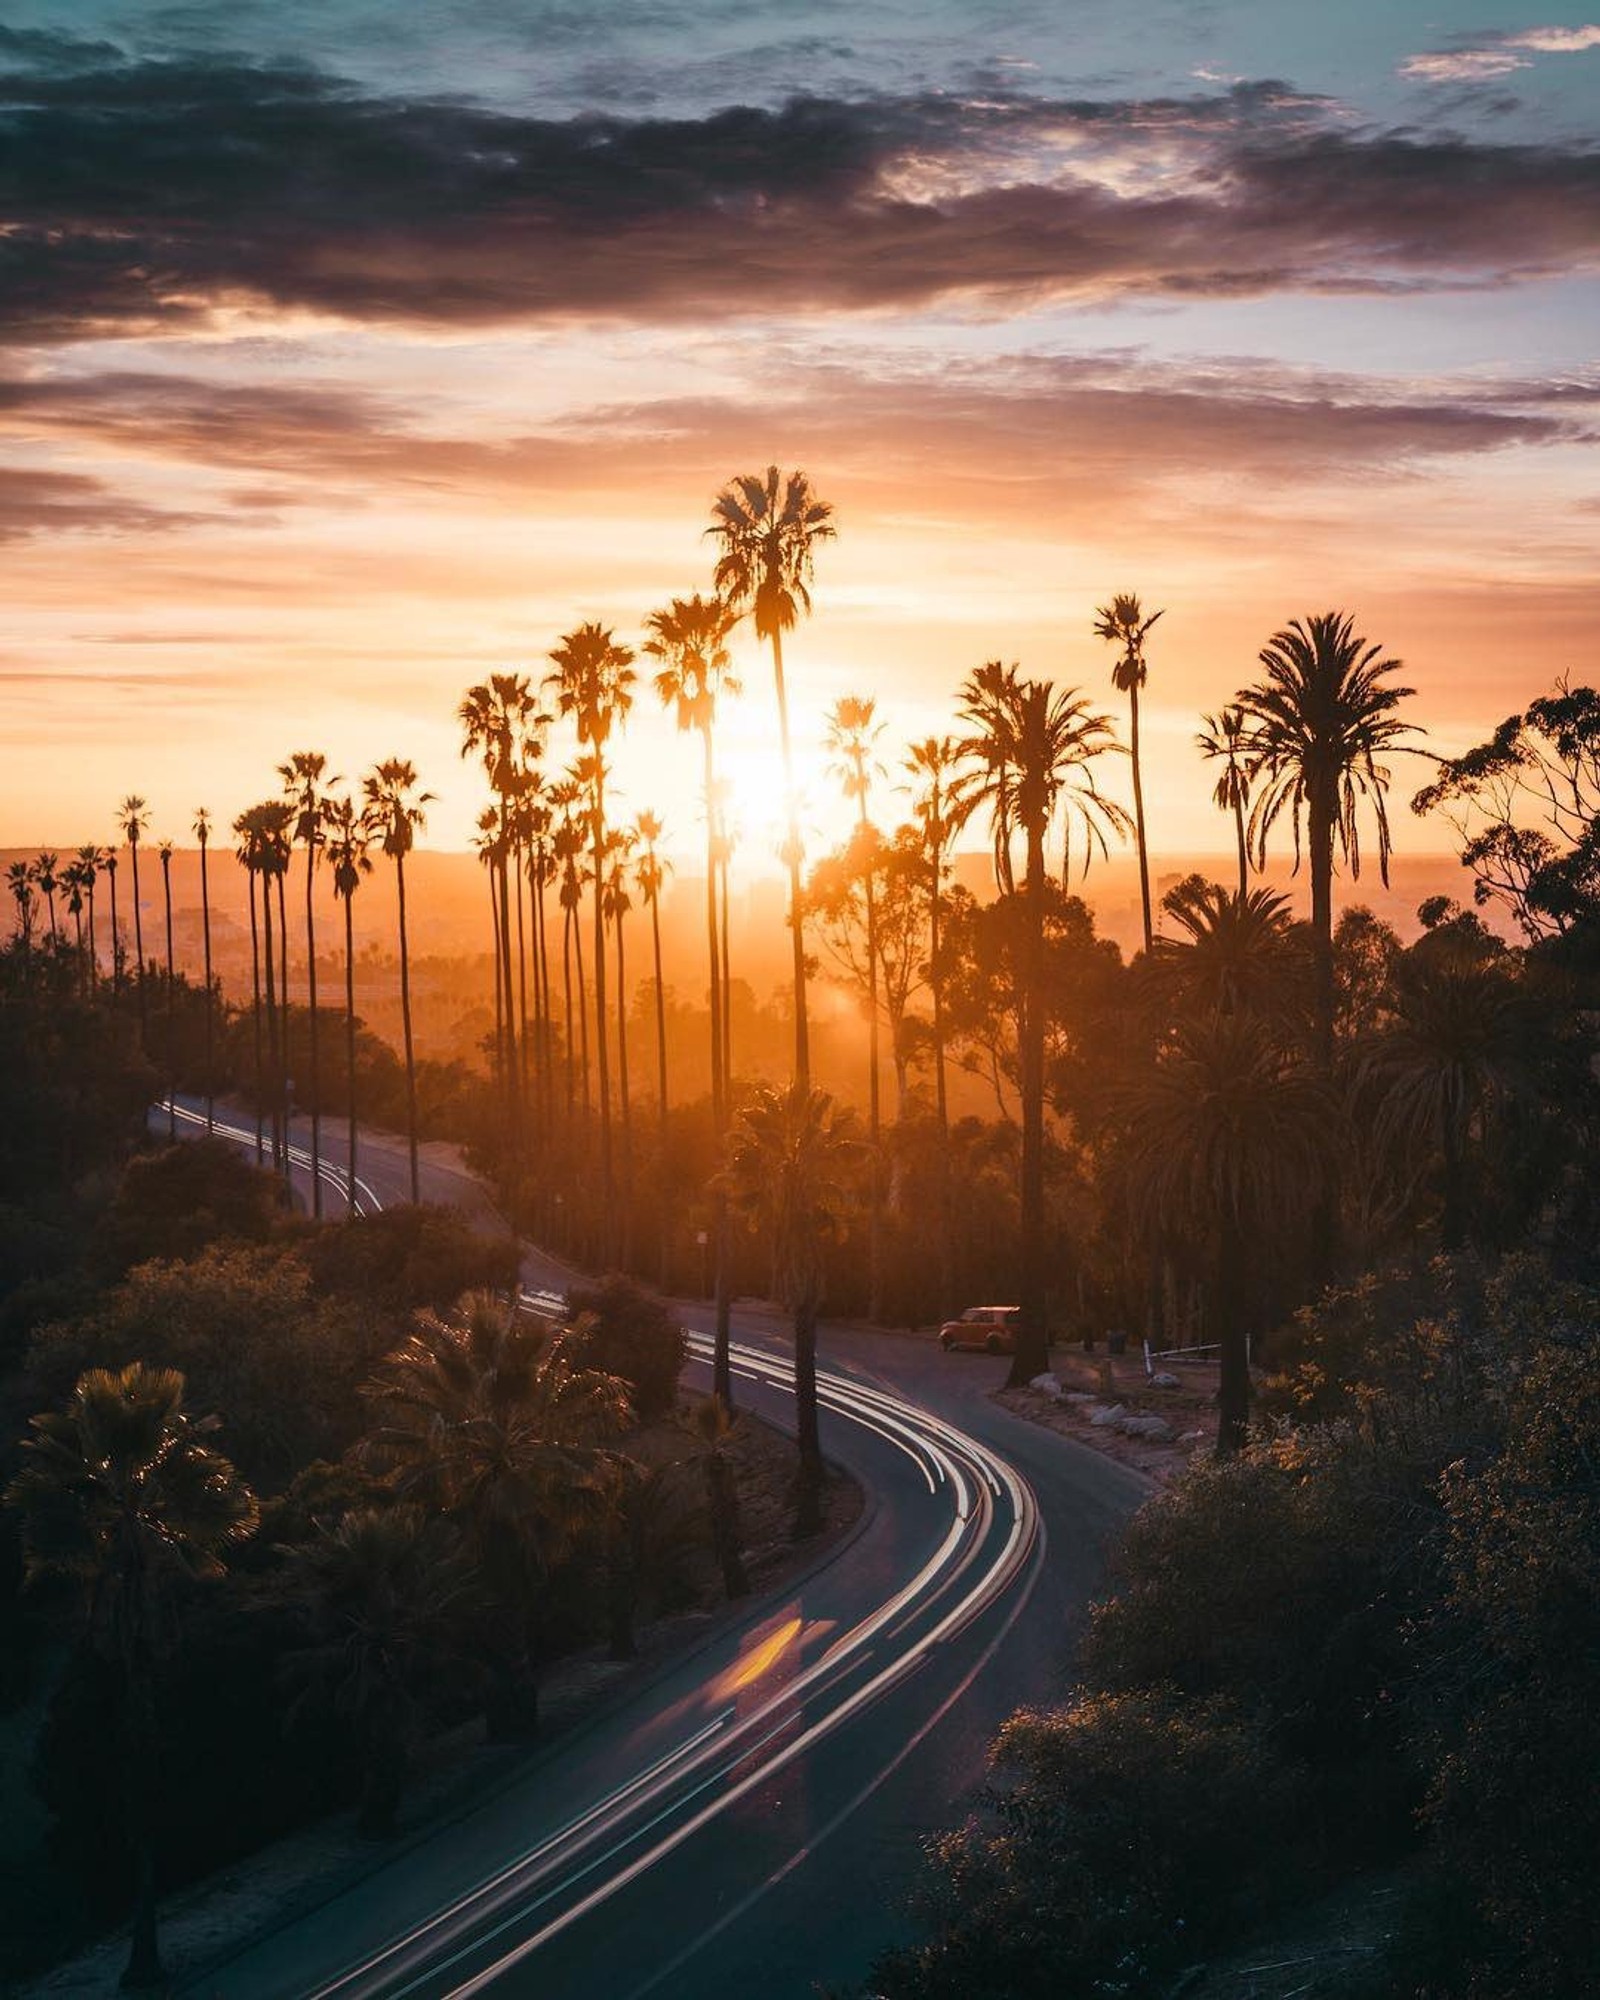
(175, 1202)
(623, 1330)
(407, 1257)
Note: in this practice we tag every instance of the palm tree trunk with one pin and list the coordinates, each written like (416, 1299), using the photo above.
(661, 1015)
(510, 1082)
(499, 985)
(311, 1002)
(94, 954)
(583, 1007)
(405, 1023)
(255, 1010)
(1032, 1356)
(211, 1011)
(721, 1359)
(280, 1156)
(350, 1048)
(172, 1084)
(541, 952)
(1244, 850)
(602, 1054)
(1138, 812)
(624, 1104)
(1321, 813)
(727, 989)
(138, 938)
(874, 1103)
(522, 979)
(116, 941)
(284, 1077)
(802, 1039)
(808, 1485)
(566, 984)
(940, 1091)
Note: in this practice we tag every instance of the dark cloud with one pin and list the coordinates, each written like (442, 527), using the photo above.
(143, 194)
(37, 502)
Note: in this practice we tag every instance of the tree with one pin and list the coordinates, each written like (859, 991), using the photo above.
(91, 860)
(45, 873)
(616, 905)
(650, 873)
(690, 638)
(263, 850)
(20, 881)
(495, 717)
(1225, 738)
(164, 850)
(1122, 623)
(1027, 743)
(202, 833)
(109, 862)
(940, 809)
(134, 818)
(1227, 1139)
(1232, 954)
(346, 839)
(485, 1415)
(1318, 721)
(769, 529)
(793, 1164)
(393, 818)
(714, 1426)
(593, 682)
(247, 854)
(120, 1492)
(302, 776)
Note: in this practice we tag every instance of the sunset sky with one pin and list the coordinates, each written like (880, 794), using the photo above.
(353, 351)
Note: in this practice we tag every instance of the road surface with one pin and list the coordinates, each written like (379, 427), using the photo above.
(750, 1821)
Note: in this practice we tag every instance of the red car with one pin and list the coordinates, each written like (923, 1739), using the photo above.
(993, 1329)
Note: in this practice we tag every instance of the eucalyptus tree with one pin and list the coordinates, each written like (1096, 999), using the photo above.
(346, 838)
(303, 776)
(768, 528)
(134, 817)
(1224, 738)
(1319, 719)
(122, 1493)
(1122, 623)
(393, 814)
(164, 850)
(1027, 743)
(593, 681)
(202, 833)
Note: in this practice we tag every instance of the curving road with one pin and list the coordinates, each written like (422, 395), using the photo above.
(750, 1820)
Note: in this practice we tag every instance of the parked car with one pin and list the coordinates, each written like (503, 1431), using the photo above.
(993, 1329)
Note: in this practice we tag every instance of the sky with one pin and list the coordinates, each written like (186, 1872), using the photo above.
(350, 352)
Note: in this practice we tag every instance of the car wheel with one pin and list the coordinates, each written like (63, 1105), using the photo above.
(992, 1344)
(944, 1342)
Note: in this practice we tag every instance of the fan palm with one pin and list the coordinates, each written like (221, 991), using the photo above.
(491, 715)
(109, 863)
(133, 818)
(393, 814)
(45, 874)
(346, 839)
(1233, 953)
(1027, 744)
(303, 776)
(617, 903)
(1122, 623)
(164, 850)
(1225, 738)
(121, 1492)
(651, 873)
(714, 1426)
(768, 528)
(19, 880)
(248, 854)
(202, 833)
(91, 860)
(793, 1166)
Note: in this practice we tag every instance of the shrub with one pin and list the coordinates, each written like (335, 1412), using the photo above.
(623, 1330)
(407, 1257)
(174, 1203)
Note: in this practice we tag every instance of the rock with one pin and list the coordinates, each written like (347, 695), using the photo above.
(1146, 1425)
(1047, 1385)
(1106, 1413)
(1165, 1381)
(1076, 1396)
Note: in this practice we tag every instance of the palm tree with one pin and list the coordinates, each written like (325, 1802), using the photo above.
(650, 874)
(852, 733)
(164, 850)
(593, 683)
(393, 818)
(491, 714)
(133, 821)
(1227, 1139)
(72, 881)
(617, 904)
(202, 833)
(1122, 623)
(1226, 739)
(45, 874)
(1028, 743)
(714, 1427)
(248, 854)
(769, 529)
(1233, 953)
(1318, 721)
(792, 1168)
(302, 775)
(265, 851)
(690, 638)
(109, 863)
(20, 881)
(91, 860)
(490, 845)
(567, 843)
(484, 1416)
(120, 1492)
(347, 856)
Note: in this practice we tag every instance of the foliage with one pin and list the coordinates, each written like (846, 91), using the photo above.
(172, 1203)
(408, 1256)
(621, 1329)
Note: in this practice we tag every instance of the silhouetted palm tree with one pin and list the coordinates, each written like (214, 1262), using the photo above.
(19, 880)
(248, 854)
(1319, 720)
(617, 904)
(1028, 742)
(650, 873)
(120, 1492)
(714, 1426)
(109, 863)
(1122, 623)
(491, 715)
(302, 776)
(793, 1163)
(202, 833)
(1225, 738)
(45, 875)
(164, 850)
(490, 845)
(593, 683)
(347, 856)
(91, 860)
(133, 821)
(1227, 1140)
(393, 818)
(71, 879)
(1232, 953)
(769, 529)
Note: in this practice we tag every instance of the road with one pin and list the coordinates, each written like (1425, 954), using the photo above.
(750, 1821)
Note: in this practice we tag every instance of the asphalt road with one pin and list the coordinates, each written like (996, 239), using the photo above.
(751, 1821)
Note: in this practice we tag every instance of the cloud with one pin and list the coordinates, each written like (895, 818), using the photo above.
(169, 195)
(38, 502)
(1486, 56)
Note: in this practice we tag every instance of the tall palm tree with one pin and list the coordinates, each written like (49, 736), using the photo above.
(20, 881)
(792, 1167)
(1225, 739)
(134, 818)
(72, 882)
(91, 859)
(852, 734)
(483, 1416)
(265, 850)
(490, 846)
(302, 777)
(109, 863)
(593, 681)
(1122, 623)
(769, 529)
(617, 901)
(45, 873)
(248, 854)
(1227, 1140)
(491, 716)
(202, 833)
(567, 843)
(650, 873)
(346, 839)
(121, 1493)
(393, 817)
(1319, 719)
(1028, 742)
(164, 850)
